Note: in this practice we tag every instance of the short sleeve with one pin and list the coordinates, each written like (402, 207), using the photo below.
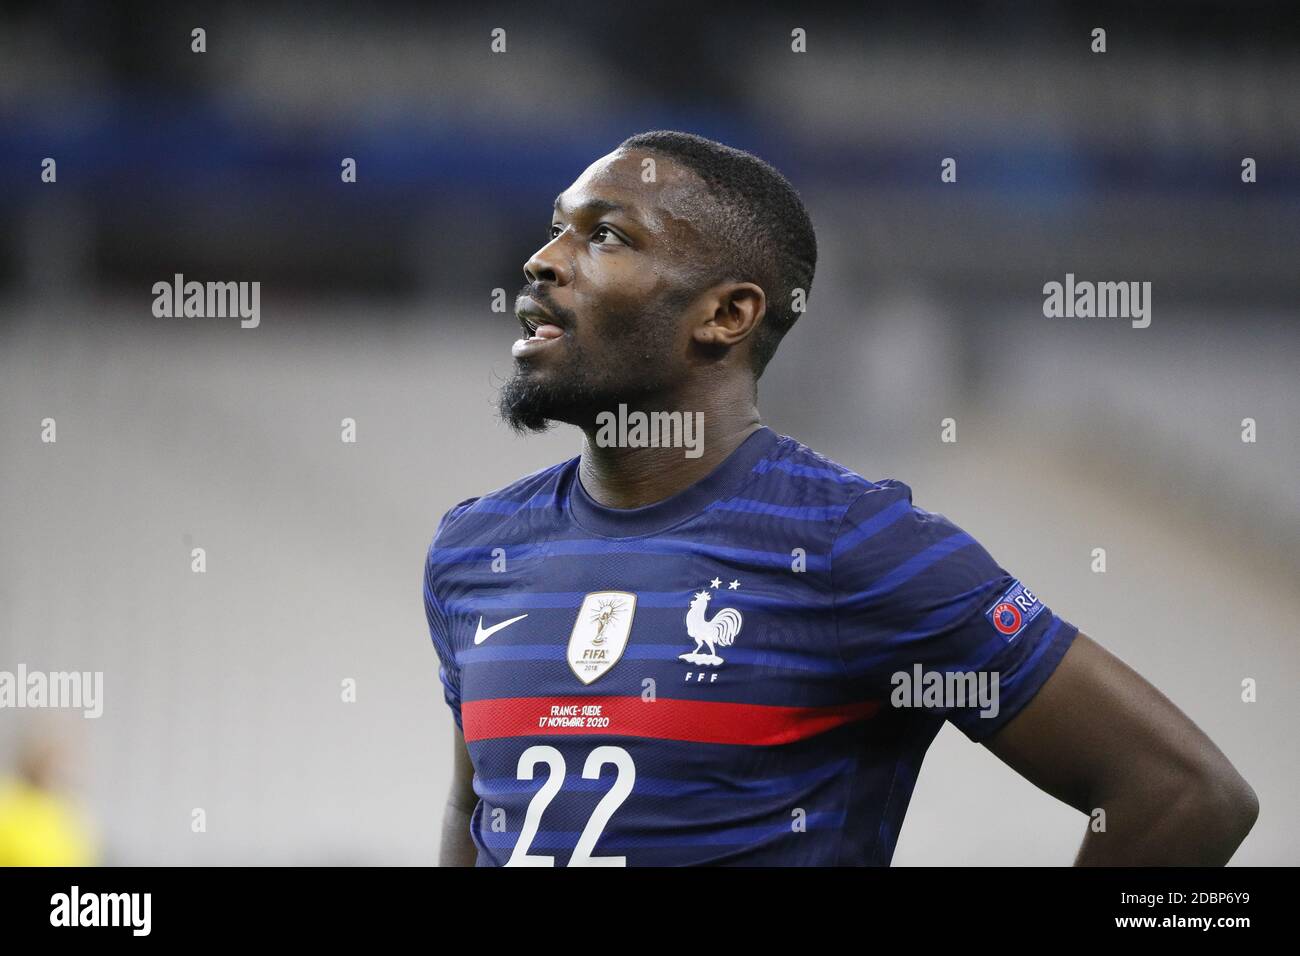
(926, 619)
(448, 668)
(448, 672)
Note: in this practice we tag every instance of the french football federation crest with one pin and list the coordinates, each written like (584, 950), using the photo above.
(600, 633)
(720, 631)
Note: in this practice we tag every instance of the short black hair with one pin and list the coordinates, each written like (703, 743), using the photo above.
(767, 235)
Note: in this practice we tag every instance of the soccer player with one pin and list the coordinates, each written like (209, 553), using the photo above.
(669, 651)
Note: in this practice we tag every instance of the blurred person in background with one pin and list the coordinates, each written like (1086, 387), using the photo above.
(40, 824)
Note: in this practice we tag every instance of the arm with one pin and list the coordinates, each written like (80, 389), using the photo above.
(457, 847)
(1098, 736)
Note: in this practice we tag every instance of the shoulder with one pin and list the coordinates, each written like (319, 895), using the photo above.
(879, 545)
(485, 514)
(796, 473)
(888, 548)
(878, 532)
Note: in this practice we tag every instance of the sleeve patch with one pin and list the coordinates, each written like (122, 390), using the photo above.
(1013, 611)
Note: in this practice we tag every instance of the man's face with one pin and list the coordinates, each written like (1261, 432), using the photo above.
(605, 315)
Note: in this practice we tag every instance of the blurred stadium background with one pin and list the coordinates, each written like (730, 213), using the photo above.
(222, 690)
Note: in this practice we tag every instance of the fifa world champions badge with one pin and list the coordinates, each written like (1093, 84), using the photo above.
(600, 633)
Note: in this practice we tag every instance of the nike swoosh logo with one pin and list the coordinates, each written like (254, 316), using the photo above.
(481, 634)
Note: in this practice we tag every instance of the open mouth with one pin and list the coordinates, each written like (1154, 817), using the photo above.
(540, 333)
(538, 327)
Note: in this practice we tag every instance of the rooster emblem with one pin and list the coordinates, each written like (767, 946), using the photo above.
(721, 631)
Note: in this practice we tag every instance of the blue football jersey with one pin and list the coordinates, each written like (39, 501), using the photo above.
(748, 672)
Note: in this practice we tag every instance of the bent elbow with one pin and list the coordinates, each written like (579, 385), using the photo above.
(1230, 802)
(1246, 809)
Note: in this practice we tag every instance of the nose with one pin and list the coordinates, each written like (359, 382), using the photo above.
(547, 264)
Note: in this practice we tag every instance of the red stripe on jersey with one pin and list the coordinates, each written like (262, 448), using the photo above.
(706, 722)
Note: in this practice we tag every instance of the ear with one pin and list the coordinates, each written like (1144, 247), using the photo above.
(734, 311)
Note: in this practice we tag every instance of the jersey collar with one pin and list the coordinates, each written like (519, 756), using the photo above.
(723, 482)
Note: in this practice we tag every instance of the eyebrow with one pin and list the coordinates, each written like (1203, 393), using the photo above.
(594, 206)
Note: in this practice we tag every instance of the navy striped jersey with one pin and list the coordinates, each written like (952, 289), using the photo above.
(748, 672)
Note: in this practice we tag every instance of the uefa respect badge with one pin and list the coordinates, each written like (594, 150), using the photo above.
(1011, 612)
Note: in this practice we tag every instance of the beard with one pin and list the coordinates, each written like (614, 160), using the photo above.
(530, 402)
(631, 367)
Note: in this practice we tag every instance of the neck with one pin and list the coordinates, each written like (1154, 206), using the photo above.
(624, 477)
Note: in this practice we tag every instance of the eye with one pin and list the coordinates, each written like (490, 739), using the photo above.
(604, 231)
(555, 230)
